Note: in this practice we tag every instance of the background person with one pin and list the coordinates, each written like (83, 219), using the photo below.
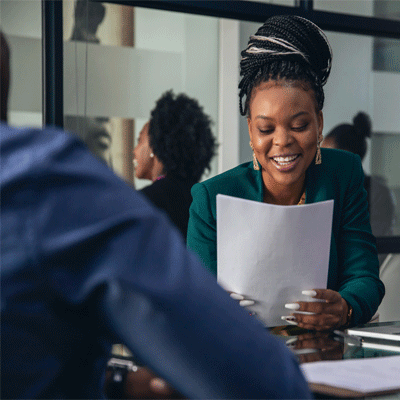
(283, 69)
(174, 149)
(353, 138)
(86, 261)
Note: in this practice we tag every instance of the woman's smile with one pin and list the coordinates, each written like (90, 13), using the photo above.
(285, 163)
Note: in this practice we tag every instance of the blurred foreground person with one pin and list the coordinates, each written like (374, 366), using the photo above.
(87, 261)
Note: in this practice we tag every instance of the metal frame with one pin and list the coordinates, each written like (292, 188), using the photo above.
(52, 43)
(239, 10)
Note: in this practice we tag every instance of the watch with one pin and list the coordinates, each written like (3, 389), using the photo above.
(119, 368)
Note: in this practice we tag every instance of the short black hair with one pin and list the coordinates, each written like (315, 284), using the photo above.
(180, 136)
(353, 137)
(285, 47)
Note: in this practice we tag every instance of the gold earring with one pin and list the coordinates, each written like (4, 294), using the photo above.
(318, 159)
(255, 162)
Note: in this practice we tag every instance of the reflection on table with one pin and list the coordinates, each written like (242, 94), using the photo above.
(323, 346)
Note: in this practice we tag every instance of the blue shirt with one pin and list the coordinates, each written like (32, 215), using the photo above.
(86, 262)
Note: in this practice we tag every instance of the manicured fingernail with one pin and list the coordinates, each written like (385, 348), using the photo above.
(236, 296)
(311, 293)
(246, 303)
(291, 340)
(292, 306)
(289, 319)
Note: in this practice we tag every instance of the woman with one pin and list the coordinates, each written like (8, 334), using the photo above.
(353, 137)
(174, 149)
(283, 69)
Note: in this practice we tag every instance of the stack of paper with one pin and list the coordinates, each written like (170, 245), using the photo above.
(354, 378)
(271, 253)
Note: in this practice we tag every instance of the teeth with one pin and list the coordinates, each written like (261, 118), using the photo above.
(284, 160)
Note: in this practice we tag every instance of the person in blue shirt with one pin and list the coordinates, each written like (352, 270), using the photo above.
(86, 261)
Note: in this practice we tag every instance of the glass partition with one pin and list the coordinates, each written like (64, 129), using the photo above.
(115, 71)
(114, 74)
(21, 22)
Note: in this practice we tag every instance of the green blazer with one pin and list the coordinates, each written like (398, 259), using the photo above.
(353, 264)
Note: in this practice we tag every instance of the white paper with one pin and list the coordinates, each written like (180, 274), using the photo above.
(363, 374)
(270, 253)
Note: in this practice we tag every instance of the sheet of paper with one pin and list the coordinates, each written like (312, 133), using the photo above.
(364, 375)
(271, 253)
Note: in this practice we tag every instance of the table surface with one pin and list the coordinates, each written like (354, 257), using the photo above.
(322, 346)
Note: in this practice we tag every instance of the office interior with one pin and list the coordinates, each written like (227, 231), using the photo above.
(108, 79)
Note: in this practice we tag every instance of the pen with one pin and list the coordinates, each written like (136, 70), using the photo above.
(351, 338)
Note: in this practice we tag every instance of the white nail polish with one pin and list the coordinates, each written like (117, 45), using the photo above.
(291, 340)
(292, 306)
(311, 293)
(236, 296)
(289, 319)
(246, 303)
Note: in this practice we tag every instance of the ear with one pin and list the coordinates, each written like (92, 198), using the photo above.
(320, 117)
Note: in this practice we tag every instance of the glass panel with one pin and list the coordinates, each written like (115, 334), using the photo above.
(116, 69)
(356, 7)
(21, 22)
(288, 3)
(355, 86)
(389, 9)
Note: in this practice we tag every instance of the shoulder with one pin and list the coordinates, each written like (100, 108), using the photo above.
(334, 157)
(339, 164)
(230, 182)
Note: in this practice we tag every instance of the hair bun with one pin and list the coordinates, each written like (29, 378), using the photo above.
(291, 36)
(362, 124)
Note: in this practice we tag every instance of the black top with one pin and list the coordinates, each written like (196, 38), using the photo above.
(172, 195)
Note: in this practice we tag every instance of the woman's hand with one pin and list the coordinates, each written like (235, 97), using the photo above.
(324, 315)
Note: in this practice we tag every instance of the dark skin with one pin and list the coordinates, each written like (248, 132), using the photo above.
(327, 348)
(144, 384)
(284, 127)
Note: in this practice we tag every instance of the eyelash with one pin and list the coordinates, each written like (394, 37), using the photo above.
(296, 129)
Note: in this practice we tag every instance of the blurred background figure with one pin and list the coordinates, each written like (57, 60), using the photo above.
(88, 16)
(353, 138)
(93, 131)
(174, 149)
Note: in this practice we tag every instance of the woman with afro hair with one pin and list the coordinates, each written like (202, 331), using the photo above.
(175, 147)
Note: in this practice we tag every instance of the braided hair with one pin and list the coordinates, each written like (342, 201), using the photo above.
(285, 47)
(181, 137)
(353, 137)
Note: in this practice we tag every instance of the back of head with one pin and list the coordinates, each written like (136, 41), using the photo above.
(180, 136)
(5, 76)
(285, 47)
(352, 137)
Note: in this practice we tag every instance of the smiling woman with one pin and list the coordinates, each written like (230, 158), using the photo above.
(284, 68)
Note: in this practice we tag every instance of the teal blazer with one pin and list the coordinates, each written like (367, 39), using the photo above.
(353, 264)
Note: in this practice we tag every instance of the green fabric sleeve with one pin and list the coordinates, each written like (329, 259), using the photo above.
(202, 232)
(358, 273)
